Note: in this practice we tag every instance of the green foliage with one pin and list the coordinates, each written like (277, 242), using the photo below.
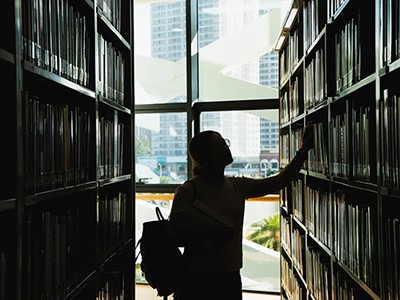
(164, 180)
(142, 146)
(267, 232)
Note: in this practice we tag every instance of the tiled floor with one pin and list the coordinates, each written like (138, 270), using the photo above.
(145, 292)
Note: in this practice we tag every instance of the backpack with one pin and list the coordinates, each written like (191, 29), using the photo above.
(162, 260)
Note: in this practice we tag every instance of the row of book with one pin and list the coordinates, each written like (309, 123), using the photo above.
(344, 288)
(111, 139)
(289, 282)
(390, 132)
(285, 234)
(111, 222)
(314, 90)
(284, 145)
(361, 135)
(285, 108)
(318, 156)
(320, 282)
(294, 99)
(348, 49)
(111, 71)
(317, 214)
(297, 199)
(314, 80)
(358, 136)
(56, 37)
(289, 56)
(317, 273)
(390, 40)
(52, 254)
(356, 240)
(112, 10)
(333, 7)
(112, 286)
(392, 256)
(340, 160)
(57, 146)
(298, 246)
(354, 162)
(296, 139)
(311, 22)
(351, 224)
(53, 249)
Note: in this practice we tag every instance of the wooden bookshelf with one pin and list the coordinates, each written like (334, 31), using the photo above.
(339, 67)
(66, 210)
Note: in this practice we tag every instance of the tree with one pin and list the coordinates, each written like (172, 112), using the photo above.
(267, 232)
(142, 146)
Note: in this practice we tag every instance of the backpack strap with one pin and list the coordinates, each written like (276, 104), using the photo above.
(159, 214)
(160, 217)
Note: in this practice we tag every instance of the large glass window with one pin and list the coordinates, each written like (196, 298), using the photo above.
(161, 148)
(236, 41)
(160, 51)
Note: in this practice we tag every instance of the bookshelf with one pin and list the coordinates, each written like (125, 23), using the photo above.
(66, 210)
(339, 64)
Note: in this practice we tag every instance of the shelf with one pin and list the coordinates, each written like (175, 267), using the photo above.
(51, 216)
(7, 205)
(357, 125)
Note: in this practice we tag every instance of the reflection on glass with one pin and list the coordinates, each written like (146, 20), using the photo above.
(236, 40)
(161, 148)
(160, 52)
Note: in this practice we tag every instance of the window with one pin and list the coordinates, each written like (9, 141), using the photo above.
(236, 64)
(161, 148)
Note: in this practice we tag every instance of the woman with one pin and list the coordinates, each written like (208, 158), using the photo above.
(212, 267)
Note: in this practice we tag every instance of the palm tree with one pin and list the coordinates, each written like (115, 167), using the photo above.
(267, 232)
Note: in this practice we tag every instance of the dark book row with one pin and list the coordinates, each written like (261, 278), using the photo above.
(350, 154)
(57, 144)
(112, 286)
(111, 71)
(356, 240)
(340, 234)
(317, 214)
(315, 81)
(112, 10)
(392, 256)
(52, 254)
(348, 57)
(390, 131)
(61, 244)
(111, 222)
(56, 38)
(390, 39)
(111, 139)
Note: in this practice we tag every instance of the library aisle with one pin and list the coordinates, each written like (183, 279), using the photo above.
(145, 292)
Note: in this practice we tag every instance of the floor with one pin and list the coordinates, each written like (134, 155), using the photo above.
(145, 292)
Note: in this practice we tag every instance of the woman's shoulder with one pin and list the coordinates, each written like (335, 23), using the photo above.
(239, 179)
(186, 185)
